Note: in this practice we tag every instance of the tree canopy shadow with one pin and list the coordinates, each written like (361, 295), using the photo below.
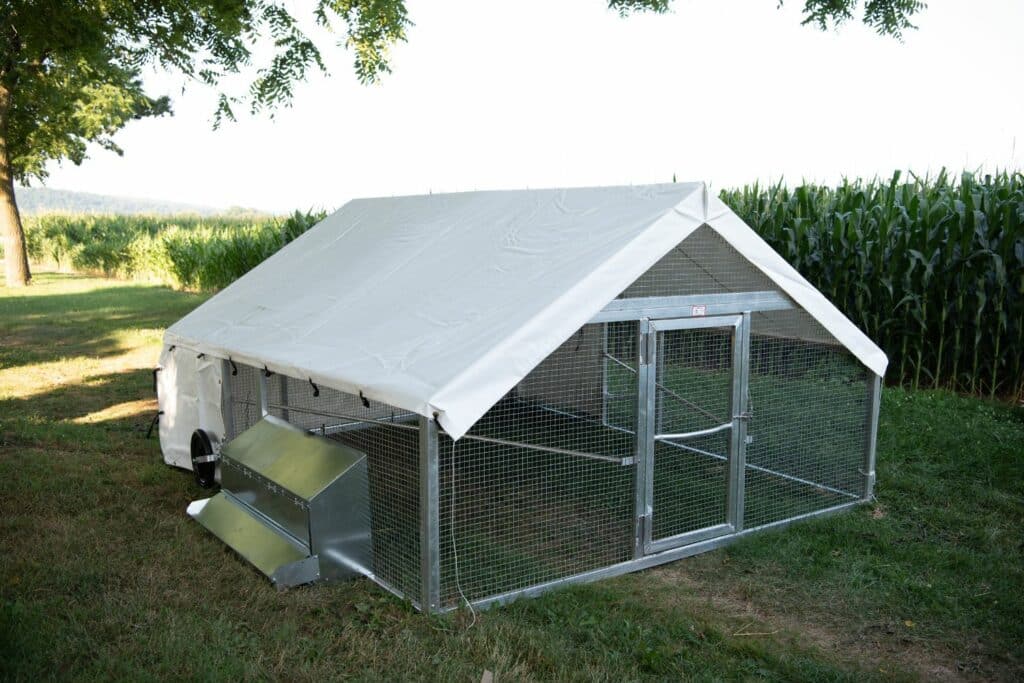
(60, 417)
(41, 328)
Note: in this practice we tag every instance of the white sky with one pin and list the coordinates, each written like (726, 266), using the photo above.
(537, 94)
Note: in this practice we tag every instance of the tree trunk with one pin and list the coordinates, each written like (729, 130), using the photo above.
(15, 256)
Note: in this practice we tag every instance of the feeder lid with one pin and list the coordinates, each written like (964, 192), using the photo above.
(302, 463)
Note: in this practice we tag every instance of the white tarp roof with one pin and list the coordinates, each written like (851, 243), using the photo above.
(440, 304)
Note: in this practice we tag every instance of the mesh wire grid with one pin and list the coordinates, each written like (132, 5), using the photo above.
(392, 452)
(244, 396)
(552, 498)
(693, 392)
(809, 426)
(810, 421)
(512, 516)
(703, 263)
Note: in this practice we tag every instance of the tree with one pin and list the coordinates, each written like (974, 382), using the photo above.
(70, 70)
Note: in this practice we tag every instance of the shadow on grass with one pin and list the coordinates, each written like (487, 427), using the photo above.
(43, 324)
(84, 417)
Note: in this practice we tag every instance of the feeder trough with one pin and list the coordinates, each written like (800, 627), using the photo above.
(293, 504)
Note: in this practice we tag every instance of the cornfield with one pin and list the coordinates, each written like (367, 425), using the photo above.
(931, 269)
(187, 252)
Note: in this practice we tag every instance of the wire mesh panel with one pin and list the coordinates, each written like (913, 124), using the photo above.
(809, 422)
(543, 486)
(393, 455)
(244, 394)
(553, 498)
(620, 377)
(703, 263)
(388, 437)
(694, 382)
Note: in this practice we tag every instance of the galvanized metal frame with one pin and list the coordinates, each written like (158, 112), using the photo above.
(645, 376)
(648, 397)
(430, 526)
(666, 307)
(659, 352)
(696, 323)
(264, 394)
(283, 379)
(874, 404)
(740, 417)
(226, 400)
(651, 315)
(605, 355)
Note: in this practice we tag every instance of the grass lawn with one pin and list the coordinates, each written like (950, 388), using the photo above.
(102, 575)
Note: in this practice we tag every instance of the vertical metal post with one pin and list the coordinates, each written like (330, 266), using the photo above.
(430, 560)
(261, 386)
(643, 459)
(738, 446)
(227, 410)
(871, 445)
(604, 374)
(659, 344)
(284, 397)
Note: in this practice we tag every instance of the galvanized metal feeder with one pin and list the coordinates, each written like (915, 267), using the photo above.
(485, 395)
(297, 507)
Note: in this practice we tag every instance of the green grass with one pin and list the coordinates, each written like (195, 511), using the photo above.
(102, 575)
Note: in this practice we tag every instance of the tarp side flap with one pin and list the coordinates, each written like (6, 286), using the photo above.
(189, 397)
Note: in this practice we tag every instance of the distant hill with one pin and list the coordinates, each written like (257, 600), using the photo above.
(34, 200)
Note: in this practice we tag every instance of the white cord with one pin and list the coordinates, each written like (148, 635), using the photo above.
(455, 552)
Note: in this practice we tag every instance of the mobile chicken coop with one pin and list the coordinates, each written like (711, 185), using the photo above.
(483, 395)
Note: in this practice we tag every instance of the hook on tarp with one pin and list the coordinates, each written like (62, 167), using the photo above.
(316, 389)
(366, 401)
(266, 372)
(234, 368)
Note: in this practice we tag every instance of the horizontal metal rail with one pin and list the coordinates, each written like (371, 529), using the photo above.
(588, 420)
(547, 449)
(691, 306)
(766, 470)
(689, 404)
(389, 422)
(471, 437)
(693, 435)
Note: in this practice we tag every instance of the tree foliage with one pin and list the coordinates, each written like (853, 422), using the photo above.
(71, 70)
(74, 68)
(886, 17)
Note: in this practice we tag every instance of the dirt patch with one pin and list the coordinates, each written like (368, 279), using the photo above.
(878, 647)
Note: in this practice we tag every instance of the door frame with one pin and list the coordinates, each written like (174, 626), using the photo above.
(650, 330)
